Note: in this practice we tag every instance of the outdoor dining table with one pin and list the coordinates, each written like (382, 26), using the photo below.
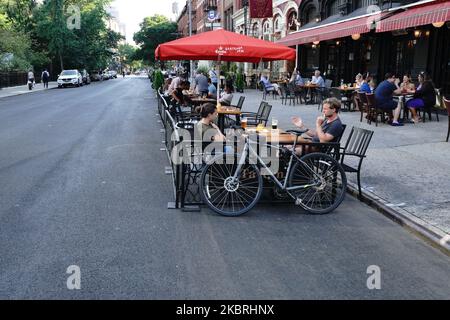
(224, 111)
(276, 136)
(310, 87)
(199, 100)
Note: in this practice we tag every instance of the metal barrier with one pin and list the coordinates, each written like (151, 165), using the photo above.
(186, 174)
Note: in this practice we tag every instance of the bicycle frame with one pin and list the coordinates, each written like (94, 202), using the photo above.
(282, 185)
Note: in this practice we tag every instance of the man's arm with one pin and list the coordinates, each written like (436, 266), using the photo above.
(323, 137)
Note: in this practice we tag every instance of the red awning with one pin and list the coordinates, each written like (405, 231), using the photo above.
(417, 16)
(332, 31)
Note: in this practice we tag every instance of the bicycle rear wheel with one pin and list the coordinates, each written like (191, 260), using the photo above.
(324, 182)
(226, 196)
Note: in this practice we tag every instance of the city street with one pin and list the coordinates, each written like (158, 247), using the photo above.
(82, 183)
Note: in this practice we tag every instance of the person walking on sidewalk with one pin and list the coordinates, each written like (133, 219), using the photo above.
(45, 78)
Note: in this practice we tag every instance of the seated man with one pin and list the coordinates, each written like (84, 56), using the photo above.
(317, 79)
(212, 91)
(270, 86)
(328, 126)
(384, 97)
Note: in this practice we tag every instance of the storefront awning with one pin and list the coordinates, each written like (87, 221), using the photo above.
(417, 16)
(333, 31)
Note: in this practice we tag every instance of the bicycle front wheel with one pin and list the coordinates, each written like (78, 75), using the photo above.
(318, 183)
(228, 196)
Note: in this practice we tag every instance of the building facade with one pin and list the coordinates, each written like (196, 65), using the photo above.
(344, 37)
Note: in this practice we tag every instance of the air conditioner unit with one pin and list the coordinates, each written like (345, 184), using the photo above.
(400, 32)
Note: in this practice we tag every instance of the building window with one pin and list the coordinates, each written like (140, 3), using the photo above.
(293, 23)
(255, 31)
(336, 6)
(311, 15)
(266, 30)
(365, 3)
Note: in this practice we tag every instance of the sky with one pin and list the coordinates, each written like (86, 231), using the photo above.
(133, 12)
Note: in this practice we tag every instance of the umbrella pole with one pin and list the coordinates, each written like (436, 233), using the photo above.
(218, 82)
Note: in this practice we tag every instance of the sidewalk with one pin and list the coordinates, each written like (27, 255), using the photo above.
(407, 168)
(15, 91)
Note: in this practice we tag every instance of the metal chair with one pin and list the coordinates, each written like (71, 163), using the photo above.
(287, 94)
(336, 93)
(374, 111)
(430, 108)
(262, 116)
(362, 105)
(266, 92)
(240, 102)
(447, 105)
(356, 146)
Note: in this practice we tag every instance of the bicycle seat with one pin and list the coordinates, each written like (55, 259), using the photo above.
(297, 132)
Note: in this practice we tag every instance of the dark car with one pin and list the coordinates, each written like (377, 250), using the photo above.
(86, 77)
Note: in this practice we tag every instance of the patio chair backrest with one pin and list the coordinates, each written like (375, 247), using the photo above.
(358, 141)
(362, 97)
(335, 93)
(261, 108)
(328, 83)
(265, 113)
(447, 104)
(344, 126)
(240, 102)
(370, 97)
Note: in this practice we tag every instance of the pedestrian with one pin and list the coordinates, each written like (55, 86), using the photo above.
(45, 78)
(123, 73)
(213, 76)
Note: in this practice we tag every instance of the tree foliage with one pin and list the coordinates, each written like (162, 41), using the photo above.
(153, 31)
(38, 33)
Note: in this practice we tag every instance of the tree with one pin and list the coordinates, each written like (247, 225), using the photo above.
(153, 31)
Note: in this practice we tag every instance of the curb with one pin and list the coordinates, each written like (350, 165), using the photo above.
(28, 92)
(427, 232)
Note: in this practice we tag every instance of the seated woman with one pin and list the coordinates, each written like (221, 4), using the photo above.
(270, 86)
(425, 96)
(358, 80)
(206, 128)
(226, 97)
(407, 86)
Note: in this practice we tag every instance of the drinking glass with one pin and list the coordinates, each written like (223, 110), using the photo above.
(274, 124)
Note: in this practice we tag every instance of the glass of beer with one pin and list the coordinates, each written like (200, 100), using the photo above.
(244, 123)
(274, 124)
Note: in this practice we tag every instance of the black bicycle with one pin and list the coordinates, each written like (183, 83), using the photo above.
(316, 181)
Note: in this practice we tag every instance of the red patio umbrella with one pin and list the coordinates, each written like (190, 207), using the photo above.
(224, 46)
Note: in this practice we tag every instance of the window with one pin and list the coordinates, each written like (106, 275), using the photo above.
(292, 21)
(365, 3)
(311, 15)
(255, 31)
(336, 6)
(266, 30)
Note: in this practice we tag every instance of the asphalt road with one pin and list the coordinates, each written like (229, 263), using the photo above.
(82, 183)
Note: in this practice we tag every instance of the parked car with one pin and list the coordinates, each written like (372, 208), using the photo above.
(113, 74)
(106, 75)
(86, 77)
(96, 76)
(70, 78)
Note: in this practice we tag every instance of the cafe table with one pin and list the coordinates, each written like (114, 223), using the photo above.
(197, 101)
(310, 87)
(227, 111)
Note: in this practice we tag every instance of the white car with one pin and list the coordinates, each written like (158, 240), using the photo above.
(112, 74)
(70, 78)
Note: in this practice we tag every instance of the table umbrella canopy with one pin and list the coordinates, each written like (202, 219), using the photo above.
(224, 46)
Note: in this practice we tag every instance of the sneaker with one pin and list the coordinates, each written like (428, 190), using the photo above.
(396, 124)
